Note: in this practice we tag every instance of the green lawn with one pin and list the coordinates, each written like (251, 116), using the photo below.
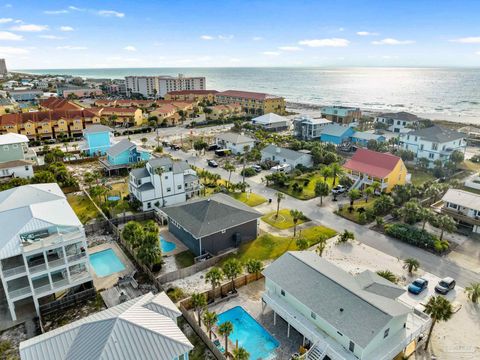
(184, 259)
(267, 246)
(354, 215)
(284, 220)
(83, 207)
(308, 191)
(420, 176)
(250, 199)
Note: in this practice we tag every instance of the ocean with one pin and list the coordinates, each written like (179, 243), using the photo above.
(436, 93)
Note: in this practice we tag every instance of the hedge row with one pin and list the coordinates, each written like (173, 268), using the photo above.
(417, 237)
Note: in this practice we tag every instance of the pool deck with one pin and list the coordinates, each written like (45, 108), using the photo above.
(250, 299)
(106, 282)
(180, 247)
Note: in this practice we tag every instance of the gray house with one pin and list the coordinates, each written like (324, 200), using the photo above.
(212, 225)
(286, 156)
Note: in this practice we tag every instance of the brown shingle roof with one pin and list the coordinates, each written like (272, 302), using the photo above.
(54, 103)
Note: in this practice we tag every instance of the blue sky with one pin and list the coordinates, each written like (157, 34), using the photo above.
(96, 34)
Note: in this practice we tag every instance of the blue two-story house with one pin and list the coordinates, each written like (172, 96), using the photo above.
(362, 138)
(123, 154)
(98, 139)
(336, 134)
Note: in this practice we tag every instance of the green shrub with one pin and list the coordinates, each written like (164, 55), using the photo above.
(175, 294)
(417, 237)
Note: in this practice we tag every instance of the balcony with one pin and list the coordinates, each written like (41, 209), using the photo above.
(14, 271)
(36, 244)
(42, 289)
(37, 268)
(460, 216)
(60, 283)
(76, 257)
(78, 277)
(57, 262)
(19, 292)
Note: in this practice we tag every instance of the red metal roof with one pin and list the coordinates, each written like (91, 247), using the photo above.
(372, 163)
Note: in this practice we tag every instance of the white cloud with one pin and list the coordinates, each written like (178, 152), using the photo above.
(225, 37)
(468, 40)
(271, 53)
(66, 28)
(206, 37)
(71, 47)
(51, 37)
(130, 48)
(290, 48)
(8, 36)
(55, 12)
(9, 50)
(30, 28)
(332, 42)
(367, 33)
(257, 38)
(5, 20)
(109, 13)
(390, 41)
(74, 8)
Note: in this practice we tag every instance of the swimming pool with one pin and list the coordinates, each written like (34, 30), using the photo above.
(113, 198)
(166, 246)
(249, 333)
(106, 262)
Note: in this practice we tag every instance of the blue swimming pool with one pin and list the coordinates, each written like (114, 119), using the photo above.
(249, 333)
(113, 198)
(166, 246)
(106, 262)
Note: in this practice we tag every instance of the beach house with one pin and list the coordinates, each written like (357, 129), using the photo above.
(400, 122)
(16, 159)
(284, 156)
(336, 134)
(123, 155)
(307, 128)
(362, 138)
(235, 142)
(464, 207)
(367, 166)
(341, 114)
(98, 139)
(271, 122)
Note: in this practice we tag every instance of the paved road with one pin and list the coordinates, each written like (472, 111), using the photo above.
(440, 266)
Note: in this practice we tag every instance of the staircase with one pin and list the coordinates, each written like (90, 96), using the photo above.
(357, 184)
(315, 353)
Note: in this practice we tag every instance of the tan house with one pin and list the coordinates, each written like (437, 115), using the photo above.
(218, 112)
(192, 95)
(252, 103)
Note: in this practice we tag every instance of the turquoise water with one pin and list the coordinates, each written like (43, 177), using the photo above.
(249, 333)
(106, 262)
(166, 246)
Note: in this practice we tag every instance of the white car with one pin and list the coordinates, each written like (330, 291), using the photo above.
(339, 189)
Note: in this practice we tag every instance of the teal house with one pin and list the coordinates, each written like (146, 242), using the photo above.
(362, 138)
(123, 155)
(336, 134)
(98, 139)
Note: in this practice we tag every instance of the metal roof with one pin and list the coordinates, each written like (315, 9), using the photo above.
(438, 134)
(462, 198)
(204, 217)
(270, 118)
(282, 152)
(402, 115)
(235, 138)
(367, 136)
(120, 147)
(334, 130)
(12, 138)
(346, 302)
(140, 329)
(92, 129)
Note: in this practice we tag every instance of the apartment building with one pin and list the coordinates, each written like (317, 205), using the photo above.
(218, 112)
(252, 103)
(163, 182)
(433, 143)
(341, 114)
(58, 103)
(158, 86)
(42, 248)
(400, 122)
(341, 316)
(192, 95)
(16, 159)
(307, 128)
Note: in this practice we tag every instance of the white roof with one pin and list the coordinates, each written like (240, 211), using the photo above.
(235, 138)
(137, 329)
(28, 208)
(462, 198)
(12, 138)
(269, 118)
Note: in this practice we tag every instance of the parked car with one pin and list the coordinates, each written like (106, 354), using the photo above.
(213, 147)
(175, 147)
(418, 286)
(212, 163)
(445, 285)
(257, 168)
(339, 189)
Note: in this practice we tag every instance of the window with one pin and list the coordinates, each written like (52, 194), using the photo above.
(27, 167)
(149, 205)
(16, 146)
(421, 147)
(179, 187)
(169, 189)
(385, 334)
(434, 146)
(282, 292)
(431, 156)
(351, 346)
(408, 137)
(313, 315)
(416, 138)
(339, 333)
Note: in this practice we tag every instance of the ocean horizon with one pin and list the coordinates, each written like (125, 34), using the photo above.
(439, 93)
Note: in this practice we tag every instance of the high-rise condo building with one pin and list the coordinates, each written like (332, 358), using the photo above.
(158, 86)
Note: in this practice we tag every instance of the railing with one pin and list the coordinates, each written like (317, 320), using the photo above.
(60, 283)
(14, 271)
(79, 276)
(51, 240)
(58, 262)
(461, 216)
(37, 268)
(42, 289)
(19, 292)
(75, 257)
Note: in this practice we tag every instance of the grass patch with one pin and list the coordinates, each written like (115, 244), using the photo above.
(420, 176)
(307, 184)
(184, 259)
(284, 220)
(268, 246)
(83, 207)
(469, 165)
(121, 188)
(355, 215)
(250, 199)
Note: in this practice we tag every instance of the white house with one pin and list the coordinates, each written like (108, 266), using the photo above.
(286, 156)
(307, 128)
(42, 246)
(339, 315)
(464, 207)
(163, 182)
(16, 159)
(400, 122)
(433, 143)
(271, 122)
(141, 328)
(235, 142)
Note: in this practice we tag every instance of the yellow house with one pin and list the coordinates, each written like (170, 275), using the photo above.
(252, 103)
(192, 95)
(226, 111)
(132, 116)
(367, 167)
(7, 106)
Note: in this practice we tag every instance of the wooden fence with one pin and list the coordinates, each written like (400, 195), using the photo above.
(67, 302)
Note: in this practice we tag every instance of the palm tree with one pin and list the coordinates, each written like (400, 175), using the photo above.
(425, 215)
(302, 244)
(230, 168)
(473, 292)
(254, 266)
(446, 223)
(159, 171)
(439, 309)
(346, 235)
(280, 196)
(214, 276)
(321, 190)
(354, 195)
(326, 172)
(368, 192)
(199, 301)
(321, 247)
(232, 268)
(209, 320)
(376, 186)
(296, 215)
(240, 354)
(411, 265)
(337, 170)
(225, 330)
(246, 149)
(388, 275)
